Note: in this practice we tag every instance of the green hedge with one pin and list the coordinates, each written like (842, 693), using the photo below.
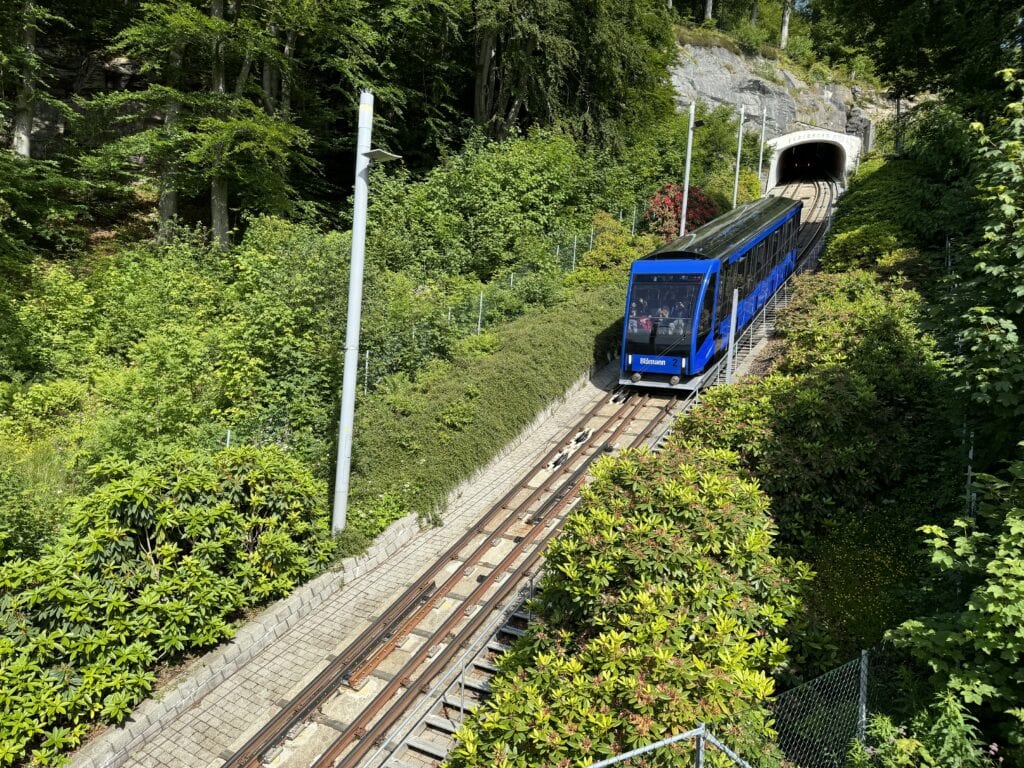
(662, 606)
(416, 440)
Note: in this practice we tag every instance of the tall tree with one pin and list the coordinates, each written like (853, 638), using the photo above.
(787, 9)
(523, 59)
(213, 130)
(955, 46)
(21, 67)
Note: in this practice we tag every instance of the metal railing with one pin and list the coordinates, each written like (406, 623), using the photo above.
(700, 735)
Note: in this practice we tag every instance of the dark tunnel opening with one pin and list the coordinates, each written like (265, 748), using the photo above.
(811, 162)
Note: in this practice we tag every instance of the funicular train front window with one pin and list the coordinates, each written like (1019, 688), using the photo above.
(661, 309)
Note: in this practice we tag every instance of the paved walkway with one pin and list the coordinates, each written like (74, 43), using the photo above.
(227, 695)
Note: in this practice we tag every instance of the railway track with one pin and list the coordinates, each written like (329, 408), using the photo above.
(362, 691)
(398, 693)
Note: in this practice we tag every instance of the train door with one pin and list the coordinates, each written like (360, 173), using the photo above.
(704, 339)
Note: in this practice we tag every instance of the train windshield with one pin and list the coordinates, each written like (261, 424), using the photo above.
(661, 312)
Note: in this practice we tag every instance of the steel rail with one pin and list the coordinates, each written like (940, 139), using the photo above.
(358, 728)
(359, 674)
(368, 734)
(332, 677)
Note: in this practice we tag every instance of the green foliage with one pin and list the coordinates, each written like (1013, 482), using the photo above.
(852, 438)
(486, 210)
(430, 433)
(662, 606)
(994, 373)
(975, 646)
(944, 736)
(947, 46)
(613, 252)
(154, 563)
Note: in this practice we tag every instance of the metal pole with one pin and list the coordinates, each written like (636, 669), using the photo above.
(732, 334)
(686, 173)
(698, 761)
(760, 157)
(355, 300)
(574, 249)
(739, 153)
(862, 714)
(480, 315)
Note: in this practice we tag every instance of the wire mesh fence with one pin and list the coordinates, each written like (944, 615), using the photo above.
(817, 721)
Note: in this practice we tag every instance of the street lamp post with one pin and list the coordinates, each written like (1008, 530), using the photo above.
(364, 155)
(760, 157)
(686, 173)
(739, 152)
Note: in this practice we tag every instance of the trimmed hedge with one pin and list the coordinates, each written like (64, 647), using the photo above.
(416, 440)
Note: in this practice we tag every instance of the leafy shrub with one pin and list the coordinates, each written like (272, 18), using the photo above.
(944, 736)
(666, 206)
(662, 606)
(855, 431)
(613, 252)
(861, 247)
(154, 563)
(480, 212)
(973, 643)
(800, 49)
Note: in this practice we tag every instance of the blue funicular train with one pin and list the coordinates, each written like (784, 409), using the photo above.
(679, 303)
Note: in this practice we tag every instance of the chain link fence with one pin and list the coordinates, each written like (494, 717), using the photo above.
(817, 721)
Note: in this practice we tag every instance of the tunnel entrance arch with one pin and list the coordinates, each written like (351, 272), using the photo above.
(816, 153)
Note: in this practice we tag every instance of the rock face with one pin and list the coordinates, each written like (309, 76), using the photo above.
(719, 76)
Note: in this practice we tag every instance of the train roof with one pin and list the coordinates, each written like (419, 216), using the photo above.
(723, 236)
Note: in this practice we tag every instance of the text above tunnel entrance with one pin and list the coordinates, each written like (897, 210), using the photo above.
(811, 161)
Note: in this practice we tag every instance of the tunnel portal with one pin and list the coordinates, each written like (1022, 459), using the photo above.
(811, 155)
(812, 162)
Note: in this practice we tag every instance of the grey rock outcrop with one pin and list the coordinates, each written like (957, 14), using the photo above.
(718, 76)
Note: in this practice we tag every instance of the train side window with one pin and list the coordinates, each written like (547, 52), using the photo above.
(730, 283)
(707, 309)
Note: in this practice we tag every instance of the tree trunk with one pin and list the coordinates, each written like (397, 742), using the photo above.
(708, 8)
(482, 91)
(243, 75)
(290, 39)
(219, 183)
(787, 7)
(25, 102)
(168, 205)
(754, 12)
(218, 78)
(269, 93)
(268, 72)
(219, 211)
